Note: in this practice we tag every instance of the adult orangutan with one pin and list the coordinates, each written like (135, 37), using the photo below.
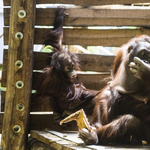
(55, 86)
(122, 112)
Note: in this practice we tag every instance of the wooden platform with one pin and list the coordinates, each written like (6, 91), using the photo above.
(68, 140)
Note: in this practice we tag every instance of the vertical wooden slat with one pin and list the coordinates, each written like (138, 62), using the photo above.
(19, 50)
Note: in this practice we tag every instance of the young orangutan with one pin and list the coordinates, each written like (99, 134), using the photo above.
(56, 82)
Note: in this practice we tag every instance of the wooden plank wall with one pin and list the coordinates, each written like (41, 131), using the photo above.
(92, 17)
(101, 65)
(80, 18)
(86, 37)
(84, 2)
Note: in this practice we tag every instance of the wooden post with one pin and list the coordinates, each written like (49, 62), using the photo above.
(19, 75)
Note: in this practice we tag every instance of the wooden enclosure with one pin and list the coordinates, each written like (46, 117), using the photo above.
(80, 18)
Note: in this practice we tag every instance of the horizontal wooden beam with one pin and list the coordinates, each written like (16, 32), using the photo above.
(90, 81)
(90, 37)
(35, 105)
(43, 121)
(84, 2)
(88, 62)
(91, 17)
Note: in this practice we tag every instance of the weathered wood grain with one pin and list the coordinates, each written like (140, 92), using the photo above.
(91, 17)
(88, 62)
(43, 121)
(34, 144)
(73, 137)
(19, 50)
(84, 2)
(89, 37)
(55, 141)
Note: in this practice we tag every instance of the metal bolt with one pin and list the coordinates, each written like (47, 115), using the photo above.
(19, 36)
(19, 84)
(16, 128)
(21, 14)
(20, 107)
(19, 64)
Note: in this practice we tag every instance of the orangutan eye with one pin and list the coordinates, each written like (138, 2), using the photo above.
(143, 53)
(67, 68)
